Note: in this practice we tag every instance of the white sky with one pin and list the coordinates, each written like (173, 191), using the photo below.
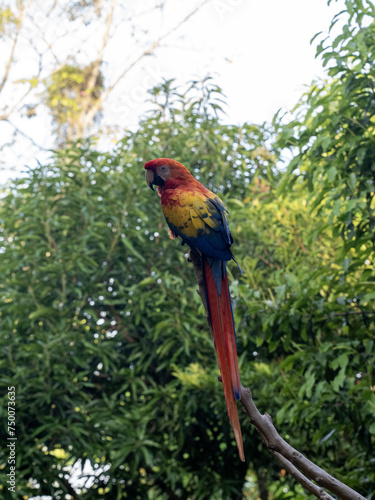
(258, 51)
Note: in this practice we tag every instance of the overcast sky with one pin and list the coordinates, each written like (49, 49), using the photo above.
(258, 51)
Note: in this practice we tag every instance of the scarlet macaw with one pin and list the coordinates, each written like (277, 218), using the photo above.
(197, 216)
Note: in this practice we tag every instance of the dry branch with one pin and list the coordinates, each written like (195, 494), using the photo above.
(301, 468)
(10, 60)
(145, 53)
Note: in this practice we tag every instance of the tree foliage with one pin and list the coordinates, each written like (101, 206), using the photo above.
(334, 129)
(113, 368)
(55, 54)
(70, 95)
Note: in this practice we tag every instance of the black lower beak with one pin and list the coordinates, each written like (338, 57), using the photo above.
(153, 179)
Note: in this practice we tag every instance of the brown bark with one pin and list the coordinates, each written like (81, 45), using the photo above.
(301, 468)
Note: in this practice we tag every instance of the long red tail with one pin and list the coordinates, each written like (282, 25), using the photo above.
(221, 316)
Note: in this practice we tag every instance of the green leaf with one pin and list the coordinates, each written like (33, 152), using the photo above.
(368, 297)
(352, 180)
(42, 311)
(331, 174)
(129, 245)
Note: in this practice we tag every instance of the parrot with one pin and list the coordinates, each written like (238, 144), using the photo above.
(198, 216)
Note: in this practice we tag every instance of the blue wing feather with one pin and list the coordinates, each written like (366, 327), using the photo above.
(207, 217)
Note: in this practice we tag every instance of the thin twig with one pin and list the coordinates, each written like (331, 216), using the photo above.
(301, 479)
(147, 52)
(90, 112)
(19, 131)
(12, 50)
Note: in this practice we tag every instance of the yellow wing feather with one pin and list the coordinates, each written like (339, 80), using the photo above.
(192, 214)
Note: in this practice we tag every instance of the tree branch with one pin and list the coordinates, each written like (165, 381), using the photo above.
(19, 131)
(97, 63)
(6, 113)
(90, 110)
(301, 468)
(147, 52)
(292, 460)
(155, 44)
(12, 50)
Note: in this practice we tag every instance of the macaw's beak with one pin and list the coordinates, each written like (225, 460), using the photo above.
(150, 178)
(153, 179)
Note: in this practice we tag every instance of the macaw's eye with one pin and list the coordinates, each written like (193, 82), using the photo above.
(163, 172)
